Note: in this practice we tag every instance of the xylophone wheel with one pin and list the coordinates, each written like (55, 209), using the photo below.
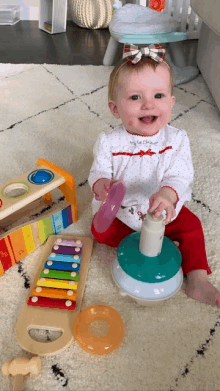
(89, 340)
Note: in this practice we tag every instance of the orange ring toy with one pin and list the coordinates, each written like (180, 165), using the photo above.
(89, 341)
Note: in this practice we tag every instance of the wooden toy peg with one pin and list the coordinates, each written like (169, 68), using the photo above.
(19, 367)
(68, 188)
(48, 198)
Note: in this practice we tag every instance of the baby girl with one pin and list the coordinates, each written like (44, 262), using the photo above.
(153, 159)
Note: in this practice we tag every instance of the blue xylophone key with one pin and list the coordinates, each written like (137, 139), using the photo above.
(61, 265)
(64, 258)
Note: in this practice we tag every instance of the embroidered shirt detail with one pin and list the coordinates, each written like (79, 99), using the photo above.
(163, 150)
(141, 153)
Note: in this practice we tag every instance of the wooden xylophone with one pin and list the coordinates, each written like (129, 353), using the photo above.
(58, 281)
(56, 293)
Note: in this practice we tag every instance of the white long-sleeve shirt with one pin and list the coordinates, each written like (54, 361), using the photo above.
(145, 164)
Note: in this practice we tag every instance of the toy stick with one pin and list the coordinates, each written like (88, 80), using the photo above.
(18, 384)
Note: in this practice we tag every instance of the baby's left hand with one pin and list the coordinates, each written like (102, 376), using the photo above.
(165, 198)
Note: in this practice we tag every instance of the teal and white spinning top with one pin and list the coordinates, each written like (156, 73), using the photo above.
(148, 264)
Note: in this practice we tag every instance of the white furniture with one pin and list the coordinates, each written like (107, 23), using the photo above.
(182, 11)
(208, 53)
(137, 24)
(53, 16)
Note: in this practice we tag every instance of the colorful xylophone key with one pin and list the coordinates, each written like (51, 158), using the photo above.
(60, 275)
(68, 242)
(64, 258)
(53, 283)
(47, 302)
(68, 266)
(54, 293)
(65, 250)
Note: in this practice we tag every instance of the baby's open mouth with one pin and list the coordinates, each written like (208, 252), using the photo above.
(149, 119)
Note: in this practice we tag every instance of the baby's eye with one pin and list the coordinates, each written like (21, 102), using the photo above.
(135, 97)
(159, 96)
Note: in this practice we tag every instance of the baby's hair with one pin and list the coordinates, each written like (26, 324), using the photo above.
(126, 65)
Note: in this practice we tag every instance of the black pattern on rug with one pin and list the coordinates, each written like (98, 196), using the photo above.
(200, 352)
(27, 282)
(59, 375)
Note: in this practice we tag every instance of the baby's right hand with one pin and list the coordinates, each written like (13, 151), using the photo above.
(101, 188)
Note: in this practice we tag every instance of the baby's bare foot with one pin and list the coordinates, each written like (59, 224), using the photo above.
(199, 288)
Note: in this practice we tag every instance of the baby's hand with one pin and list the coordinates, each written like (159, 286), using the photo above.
(165, 198)
(101, 188)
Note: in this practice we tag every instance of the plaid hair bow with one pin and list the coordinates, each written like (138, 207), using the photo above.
(134, 54)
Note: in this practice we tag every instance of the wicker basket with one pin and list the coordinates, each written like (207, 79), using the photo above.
(91, 14)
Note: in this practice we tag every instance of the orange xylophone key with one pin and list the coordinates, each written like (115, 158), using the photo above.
(54, 293)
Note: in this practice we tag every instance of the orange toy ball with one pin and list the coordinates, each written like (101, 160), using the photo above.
(105, 339)
(157, 5)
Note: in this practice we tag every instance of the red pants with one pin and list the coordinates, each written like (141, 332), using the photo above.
(185, 229)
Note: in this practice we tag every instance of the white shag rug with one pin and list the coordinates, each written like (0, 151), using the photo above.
(56, 112)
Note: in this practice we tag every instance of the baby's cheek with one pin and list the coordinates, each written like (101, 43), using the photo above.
(164, 107)
(132, 120)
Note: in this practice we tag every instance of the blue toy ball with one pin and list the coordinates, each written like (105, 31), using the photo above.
(40, 177)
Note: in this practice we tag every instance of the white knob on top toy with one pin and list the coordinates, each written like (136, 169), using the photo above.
(151, 237)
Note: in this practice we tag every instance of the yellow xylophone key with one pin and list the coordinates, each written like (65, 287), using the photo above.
(68, 294)
(53, 283)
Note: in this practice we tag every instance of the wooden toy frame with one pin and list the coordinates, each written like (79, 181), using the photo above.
(21, 232)
(62, 179)
(52, 319)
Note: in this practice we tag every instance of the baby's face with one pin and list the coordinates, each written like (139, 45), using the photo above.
(143, 100)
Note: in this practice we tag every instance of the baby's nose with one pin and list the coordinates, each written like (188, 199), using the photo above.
(148, 104)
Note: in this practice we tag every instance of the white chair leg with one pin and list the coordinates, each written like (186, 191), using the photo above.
(182, 74)
(110, 52)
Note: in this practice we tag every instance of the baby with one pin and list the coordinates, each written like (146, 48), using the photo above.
(153, 159)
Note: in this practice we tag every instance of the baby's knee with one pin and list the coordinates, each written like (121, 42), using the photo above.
(103, 237)
(193, 220)
(196, 223)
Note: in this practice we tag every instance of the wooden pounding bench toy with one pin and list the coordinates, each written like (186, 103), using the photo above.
(21, 196)
(56, 293)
